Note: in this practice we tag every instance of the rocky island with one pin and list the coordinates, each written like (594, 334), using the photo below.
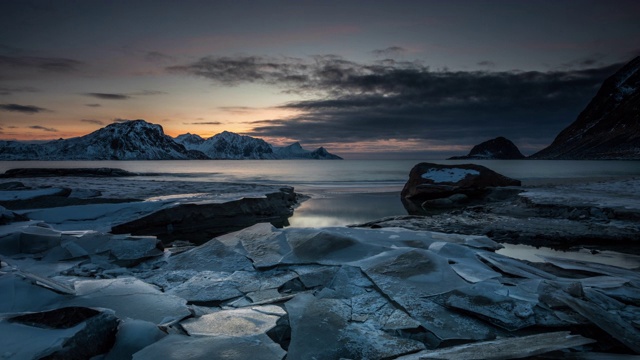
(74, 289)
(499, 148)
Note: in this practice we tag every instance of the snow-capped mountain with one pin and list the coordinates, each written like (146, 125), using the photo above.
(140, 140)
(130, 140)
(228, 145)
(499, 148)
(609, 127)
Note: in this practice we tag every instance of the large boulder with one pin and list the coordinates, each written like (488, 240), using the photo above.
(435, 185)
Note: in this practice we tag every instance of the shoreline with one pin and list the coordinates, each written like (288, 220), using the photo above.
(379, 288)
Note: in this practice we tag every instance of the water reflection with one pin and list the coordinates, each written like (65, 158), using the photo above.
(345, 209)
(526, 252)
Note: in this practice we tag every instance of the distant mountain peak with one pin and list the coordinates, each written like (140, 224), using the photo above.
(230, 145)
(499, 148)
(609, 127)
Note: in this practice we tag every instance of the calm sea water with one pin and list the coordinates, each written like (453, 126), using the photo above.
(345, 173)
(348, 191)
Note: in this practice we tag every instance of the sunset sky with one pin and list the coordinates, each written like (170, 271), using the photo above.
(379, 79)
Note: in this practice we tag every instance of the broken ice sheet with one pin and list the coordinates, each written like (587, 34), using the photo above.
(464, 262)
(179, 347)
(504, 311)
(19, 294)
(212, 255)
(131, 298)
(235, 323)
(64, 333)
(505, 348)
(411, 273)
(315, 323)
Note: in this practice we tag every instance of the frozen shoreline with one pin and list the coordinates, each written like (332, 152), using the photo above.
(389, 293)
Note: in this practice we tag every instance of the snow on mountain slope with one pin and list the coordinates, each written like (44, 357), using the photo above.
(140, 140)
(130, 140)
(228, 145)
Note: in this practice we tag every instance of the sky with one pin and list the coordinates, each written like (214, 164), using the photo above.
(364, 79)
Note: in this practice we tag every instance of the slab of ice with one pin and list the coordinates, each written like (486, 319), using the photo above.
(129, 298)
(133, 336)
(19, 294)
(235, 323)
(9, 195)
(506, 348)
(212, 255)
(179, 347)
(411, 272)
(315, 323)
(448, 175)
(56, 335)
(464, 262)
(99, 217)
(503, 311)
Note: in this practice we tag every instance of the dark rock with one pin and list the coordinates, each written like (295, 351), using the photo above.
(96, 337)
(201, 222)
(63, 318)
(499, 148)
(57, 172)
(12, 185)
(609, 127)
(428, 182)
(7, 216)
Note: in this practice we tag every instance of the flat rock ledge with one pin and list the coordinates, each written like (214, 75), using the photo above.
(199, 222)
(56, 172)
(325, 293)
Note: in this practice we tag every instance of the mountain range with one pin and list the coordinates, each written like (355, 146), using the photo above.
(140, 140)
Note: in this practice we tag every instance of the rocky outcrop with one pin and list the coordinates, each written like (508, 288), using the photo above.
(56, 172)
(199, 222)
(591, 215)
(609, 127)
(435, 185)
(499, 148)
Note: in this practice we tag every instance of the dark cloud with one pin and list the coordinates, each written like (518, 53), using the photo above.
(119, 120)
(27, 109)
(407, 101)
(158, 57)
(21, 89)
(108, 96)
(594, 60)
(487, 63)
(56, 65)
(252, 69)
(38, 127)
(92, 105)
(204, 123)
(92, 121)
(390, 51)
(150, 93)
